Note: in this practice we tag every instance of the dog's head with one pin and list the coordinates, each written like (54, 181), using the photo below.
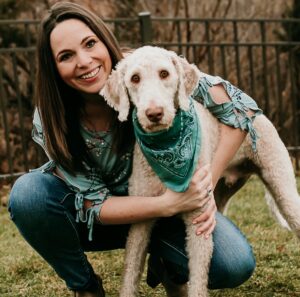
(156, 81)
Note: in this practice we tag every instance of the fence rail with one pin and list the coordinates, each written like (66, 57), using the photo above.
(261, 56)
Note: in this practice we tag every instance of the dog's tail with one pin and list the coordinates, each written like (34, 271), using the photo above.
(275, 211)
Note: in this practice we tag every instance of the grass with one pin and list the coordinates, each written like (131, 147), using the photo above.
(24, 273)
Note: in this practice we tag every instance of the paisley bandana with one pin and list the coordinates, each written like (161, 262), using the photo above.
(172, 153)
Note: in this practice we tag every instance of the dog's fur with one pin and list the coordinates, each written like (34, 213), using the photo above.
(271, 161)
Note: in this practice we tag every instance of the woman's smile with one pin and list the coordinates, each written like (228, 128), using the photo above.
(90, 75)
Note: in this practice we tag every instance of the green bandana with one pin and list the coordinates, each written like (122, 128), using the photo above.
(172, 153)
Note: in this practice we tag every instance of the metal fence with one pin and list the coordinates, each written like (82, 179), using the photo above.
(257, 55)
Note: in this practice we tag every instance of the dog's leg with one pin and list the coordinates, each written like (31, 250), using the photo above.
(136, 251)
(276, 170)
(223, 192)
(282, 187)
(199, 252)
(275, 211)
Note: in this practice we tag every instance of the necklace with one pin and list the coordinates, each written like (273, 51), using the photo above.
(96, 141)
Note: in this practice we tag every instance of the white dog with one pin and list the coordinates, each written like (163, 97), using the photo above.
(156, 80)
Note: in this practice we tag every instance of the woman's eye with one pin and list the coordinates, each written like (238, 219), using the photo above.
(64, 57)
(163, 74)
(135, 78)
(90, 43)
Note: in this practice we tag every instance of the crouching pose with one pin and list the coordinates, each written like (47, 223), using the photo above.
(79, 202)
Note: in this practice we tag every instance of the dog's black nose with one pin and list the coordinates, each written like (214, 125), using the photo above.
(155, 114)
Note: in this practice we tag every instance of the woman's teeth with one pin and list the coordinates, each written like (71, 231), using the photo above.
(91, 74)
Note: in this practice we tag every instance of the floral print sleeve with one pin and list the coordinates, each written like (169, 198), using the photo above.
(233, 113)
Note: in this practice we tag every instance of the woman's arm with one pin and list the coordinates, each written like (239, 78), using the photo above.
(132, 209)
(229, 143)
(230, 138)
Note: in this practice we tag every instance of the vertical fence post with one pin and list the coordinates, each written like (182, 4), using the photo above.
(145, 27)
(209, 48)
(237, 53)
(265, 67)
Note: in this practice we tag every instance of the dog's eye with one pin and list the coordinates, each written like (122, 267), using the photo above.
(135, 78)
(164, 74)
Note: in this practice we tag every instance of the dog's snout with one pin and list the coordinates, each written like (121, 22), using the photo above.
(155, 114)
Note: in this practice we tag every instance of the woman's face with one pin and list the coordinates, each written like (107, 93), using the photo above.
(81, 58)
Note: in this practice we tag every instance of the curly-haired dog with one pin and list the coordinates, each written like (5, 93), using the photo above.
(158, 83)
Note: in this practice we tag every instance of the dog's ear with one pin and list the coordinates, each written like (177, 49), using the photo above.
(115, 92)
(188, 78)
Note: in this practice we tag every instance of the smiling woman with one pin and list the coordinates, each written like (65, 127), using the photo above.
(82, 60)
(78, 201)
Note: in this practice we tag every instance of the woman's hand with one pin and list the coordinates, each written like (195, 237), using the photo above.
(197, 195)
(207, 220)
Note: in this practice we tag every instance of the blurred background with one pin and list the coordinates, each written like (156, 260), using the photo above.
(252, 43)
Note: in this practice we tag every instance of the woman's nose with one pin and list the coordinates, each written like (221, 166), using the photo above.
(83, 59)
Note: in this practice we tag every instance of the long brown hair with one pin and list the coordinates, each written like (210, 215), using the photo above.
(58, 104)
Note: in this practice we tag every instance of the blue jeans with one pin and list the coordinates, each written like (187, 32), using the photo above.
(42, 207)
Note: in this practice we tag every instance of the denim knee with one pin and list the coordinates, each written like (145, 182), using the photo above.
(233, 261)
(235, 273)
(28, 199)
(21, 194)
(244, 271)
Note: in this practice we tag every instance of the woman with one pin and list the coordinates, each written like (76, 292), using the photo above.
(78, 201)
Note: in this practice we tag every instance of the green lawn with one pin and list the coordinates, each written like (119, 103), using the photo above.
(23, 272)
